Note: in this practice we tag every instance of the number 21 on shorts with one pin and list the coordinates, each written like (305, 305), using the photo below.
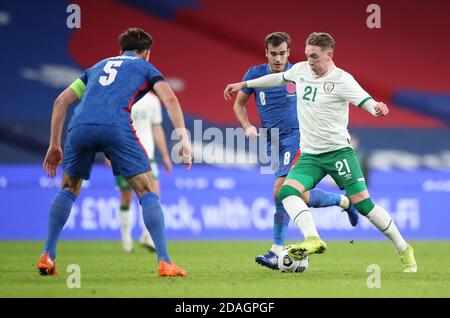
(340, 165)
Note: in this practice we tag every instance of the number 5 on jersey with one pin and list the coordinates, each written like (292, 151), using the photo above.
(110, 71)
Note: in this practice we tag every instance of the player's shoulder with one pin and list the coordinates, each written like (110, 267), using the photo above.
(134, 61)
(299, 67)
(100, 63)
(301, 64)
(342, 75)
(258, 70)
(150, 68)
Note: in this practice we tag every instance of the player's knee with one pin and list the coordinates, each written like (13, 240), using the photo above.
(72, 188)
(142, 188)
(142, 183)
(126, 196)
(365, 206)
(306, 197)
(286, 191)
(71, 184)
(276, 189)
(74, 192)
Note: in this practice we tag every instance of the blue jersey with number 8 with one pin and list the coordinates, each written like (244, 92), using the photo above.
(277, 106)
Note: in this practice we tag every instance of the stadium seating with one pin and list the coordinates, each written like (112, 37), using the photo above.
(202, 45)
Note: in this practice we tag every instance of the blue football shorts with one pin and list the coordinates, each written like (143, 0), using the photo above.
(120, 145)
(287, 149)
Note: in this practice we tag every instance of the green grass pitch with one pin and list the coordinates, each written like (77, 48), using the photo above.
(223, 269)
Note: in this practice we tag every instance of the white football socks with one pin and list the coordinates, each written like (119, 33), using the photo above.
(300, 215)
(345, 202)
(276, 249)
(146, 238)
(383, 221)
(125, 229)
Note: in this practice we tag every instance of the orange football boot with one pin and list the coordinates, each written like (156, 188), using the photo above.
(170, 269)
(46, 266)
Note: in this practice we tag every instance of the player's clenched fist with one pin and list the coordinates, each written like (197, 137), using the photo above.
(381, 109)
(251, 132)
(232, 89)
(185, 153)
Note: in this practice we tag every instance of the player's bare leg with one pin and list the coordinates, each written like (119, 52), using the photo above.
(145, 188)
(383, 221)
(59, 213)
(314, 198)
(280, 225)
(290, 195)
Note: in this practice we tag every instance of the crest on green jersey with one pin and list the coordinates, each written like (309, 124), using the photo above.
(328, 87)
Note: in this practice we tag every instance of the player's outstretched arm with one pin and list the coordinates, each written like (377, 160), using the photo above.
(160, 141)
(356, 95)
(53, 158)
(241, 114)
(271, 80)
(168, 98)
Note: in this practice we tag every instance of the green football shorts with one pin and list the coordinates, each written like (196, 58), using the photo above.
(342, 165)
(123, 185)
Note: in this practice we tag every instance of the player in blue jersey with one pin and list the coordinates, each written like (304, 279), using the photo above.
(101, 123)
(277, 108)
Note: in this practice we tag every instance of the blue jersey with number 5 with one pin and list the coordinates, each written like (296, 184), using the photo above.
(112, 86)
(277, 106)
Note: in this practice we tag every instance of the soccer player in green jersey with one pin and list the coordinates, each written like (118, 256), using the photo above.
(323, 95)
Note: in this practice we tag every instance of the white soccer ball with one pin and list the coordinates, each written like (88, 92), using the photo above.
(287, 265)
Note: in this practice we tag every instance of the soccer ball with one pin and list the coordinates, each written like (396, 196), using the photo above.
(287, 265)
